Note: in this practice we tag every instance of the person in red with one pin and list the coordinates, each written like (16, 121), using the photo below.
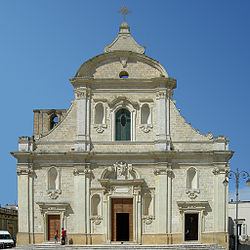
(63, 236)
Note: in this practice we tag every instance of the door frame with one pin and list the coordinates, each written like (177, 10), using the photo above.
(47, 231)
(112, 216)
(199, 225)
(137, 218)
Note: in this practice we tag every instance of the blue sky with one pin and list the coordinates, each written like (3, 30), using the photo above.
(204, 44)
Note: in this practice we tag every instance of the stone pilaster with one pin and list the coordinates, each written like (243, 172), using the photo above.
(163, 120)
(82, 119)
(82, 178)
(220, 198)
(163, 190)
(25, 202)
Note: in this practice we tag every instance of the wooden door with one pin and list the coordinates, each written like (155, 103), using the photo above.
(53, 225)
(122, 219)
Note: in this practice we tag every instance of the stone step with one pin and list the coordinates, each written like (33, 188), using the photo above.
(122, 247)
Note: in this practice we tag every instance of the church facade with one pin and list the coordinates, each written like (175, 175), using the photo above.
(121, 164)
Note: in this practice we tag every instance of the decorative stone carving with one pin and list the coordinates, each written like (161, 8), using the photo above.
(124, 61)
(192, 193)
(24, 171)
(164, 171)
(122, 101)
(100, 127)
(161, 95)
(217, 170)
(80, 93)
(209, 135)
(146, 127)
(148, 219)
(53, 194)
(122, 169)
(97, 220)
(85, 171)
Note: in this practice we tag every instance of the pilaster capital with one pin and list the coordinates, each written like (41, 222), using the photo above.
(81, 93)
(82, 171)
(163, 171)
(220, 170)
(161, 94)
(24, 171)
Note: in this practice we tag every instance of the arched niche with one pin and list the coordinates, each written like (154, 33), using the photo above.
(147, 204)
(99, 114)
(53, 182)
(145, 114)
(52, 179)
(146, 117)
(192, 179)
(95, 205)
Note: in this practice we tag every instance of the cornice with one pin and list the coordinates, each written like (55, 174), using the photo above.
(162, 82)
(215, 156)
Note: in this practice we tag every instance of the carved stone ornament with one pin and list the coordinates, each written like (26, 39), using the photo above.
(217, 171)
(97, 220)
(161, 95)
(192, 193)
(85, 171)
(122, 170)
(53, 194)
(148, 219)
(146, 127)
(100, 127)
(24, 171)
(162, 171)
(209, 135)
(124, 61)
(80, 93)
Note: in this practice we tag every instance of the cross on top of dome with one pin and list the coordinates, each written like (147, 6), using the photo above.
(124, 11)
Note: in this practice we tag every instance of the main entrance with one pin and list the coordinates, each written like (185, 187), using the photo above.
(191, 227)
(122, 219)
(53, 226)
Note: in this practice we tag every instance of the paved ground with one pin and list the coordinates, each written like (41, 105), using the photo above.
(122, 247)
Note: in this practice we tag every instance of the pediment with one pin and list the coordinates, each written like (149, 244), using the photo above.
(110, 65)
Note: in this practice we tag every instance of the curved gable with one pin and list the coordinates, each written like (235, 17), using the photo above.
(110, 65)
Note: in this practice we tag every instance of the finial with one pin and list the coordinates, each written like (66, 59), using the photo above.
(124, 11)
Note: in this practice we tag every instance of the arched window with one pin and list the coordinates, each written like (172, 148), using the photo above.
(95, 205)
(99, 113)
(147, 200)
(52, 179)
(53, 121)
(145, 113)
(123, 125)
(192, 179)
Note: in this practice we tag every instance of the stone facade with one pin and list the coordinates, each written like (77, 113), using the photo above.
(75, 167)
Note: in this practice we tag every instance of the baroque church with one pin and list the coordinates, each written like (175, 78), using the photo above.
(121, 165)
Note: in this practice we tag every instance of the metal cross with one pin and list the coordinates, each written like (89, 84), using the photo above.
(124, 11)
